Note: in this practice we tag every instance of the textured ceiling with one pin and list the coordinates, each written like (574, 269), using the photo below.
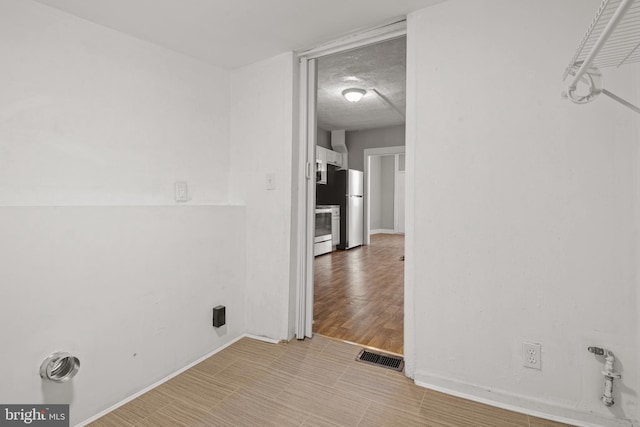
(380, 69)
(233, 33)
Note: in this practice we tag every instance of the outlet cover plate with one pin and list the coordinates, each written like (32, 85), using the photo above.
(182, 193)
(532, 355)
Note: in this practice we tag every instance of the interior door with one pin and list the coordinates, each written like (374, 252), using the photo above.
(304, 301)
(308, 129)
(399, 202)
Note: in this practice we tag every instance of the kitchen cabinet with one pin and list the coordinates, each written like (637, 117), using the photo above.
(328, 157)
(321, 165)
(334, 158)
(321, 154)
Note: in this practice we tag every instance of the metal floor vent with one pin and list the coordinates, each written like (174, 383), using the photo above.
(380, 359)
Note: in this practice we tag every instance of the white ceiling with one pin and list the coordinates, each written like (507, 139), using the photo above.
(380, 69)
(232, 33)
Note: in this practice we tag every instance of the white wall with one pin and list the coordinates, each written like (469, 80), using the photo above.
(261, 144)
(523, 210)
(375, 185)
(358, 141)
(128, 290)
(636, 99)
(95, 128)
(381, 196)
(637, 217)
(93, 116)
(323, 138)
(387, 191)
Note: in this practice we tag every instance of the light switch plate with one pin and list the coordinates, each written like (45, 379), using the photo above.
(182, 193)
(271, 181)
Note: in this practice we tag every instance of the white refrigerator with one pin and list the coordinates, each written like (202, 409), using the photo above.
(346, 189)
(354, 209)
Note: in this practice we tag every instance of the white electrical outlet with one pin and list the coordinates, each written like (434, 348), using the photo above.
(532, 355)
(182, 194)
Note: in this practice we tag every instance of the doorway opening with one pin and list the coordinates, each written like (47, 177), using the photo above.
(358, 280)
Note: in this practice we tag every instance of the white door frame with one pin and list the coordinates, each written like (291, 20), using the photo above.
(399, 205)
(368, 153)
(396, 199)
(304, 199)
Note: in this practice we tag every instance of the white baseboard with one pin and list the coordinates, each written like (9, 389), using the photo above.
(384, 231)
(259, 338)
(517, 403)
(168, 377)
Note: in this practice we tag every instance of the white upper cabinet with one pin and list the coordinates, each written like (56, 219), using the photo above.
(334, 158)
(321, 165)
(325, 157)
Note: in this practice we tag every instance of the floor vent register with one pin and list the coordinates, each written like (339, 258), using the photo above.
(381, 359)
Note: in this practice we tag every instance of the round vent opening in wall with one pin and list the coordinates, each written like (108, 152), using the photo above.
(589, 86)
(59, 367)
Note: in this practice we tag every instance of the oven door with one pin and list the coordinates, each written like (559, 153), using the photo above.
(323, 225)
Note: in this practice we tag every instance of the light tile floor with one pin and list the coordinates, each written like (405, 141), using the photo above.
(313, 382)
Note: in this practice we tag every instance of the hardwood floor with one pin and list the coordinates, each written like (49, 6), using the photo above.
(315, 382)
(359, 294)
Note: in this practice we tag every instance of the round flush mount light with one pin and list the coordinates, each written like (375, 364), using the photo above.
(353, 94)
(59, 367)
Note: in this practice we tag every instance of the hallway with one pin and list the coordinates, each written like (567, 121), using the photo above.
(359, 294)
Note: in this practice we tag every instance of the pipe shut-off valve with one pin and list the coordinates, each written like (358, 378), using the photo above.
(609, 373)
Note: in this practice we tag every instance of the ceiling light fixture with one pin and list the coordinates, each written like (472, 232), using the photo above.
(353, 94)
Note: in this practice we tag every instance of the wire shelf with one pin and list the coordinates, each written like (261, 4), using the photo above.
(622, 46)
